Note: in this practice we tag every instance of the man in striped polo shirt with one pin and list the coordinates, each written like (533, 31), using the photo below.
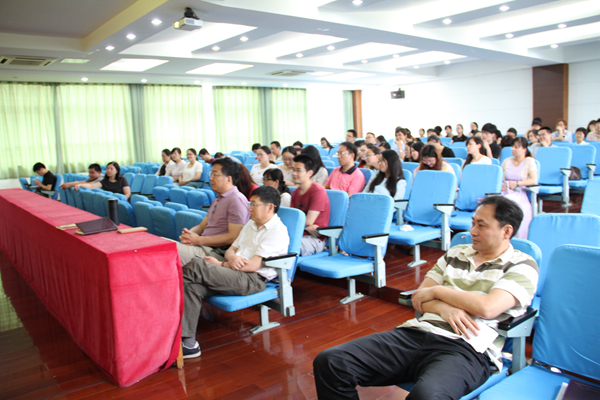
(451, 349)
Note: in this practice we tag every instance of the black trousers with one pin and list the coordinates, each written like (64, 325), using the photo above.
(441, 368)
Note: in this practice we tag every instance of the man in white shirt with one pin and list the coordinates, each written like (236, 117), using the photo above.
(242, 272)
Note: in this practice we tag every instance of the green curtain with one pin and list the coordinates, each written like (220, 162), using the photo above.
(348, 112)
(238, 118)
(26, 128)
(95, 125)
(172, 118)
(288, 116)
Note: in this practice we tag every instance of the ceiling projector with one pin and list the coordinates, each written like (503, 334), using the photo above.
(189, 22)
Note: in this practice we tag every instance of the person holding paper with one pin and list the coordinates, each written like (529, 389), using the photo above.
(452, 348)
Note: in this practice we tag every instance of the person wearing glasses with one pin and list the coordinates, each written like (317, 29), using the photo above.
(545, 140)
(274, 178)
(263, 155)
(431, 159)
(390, 178)
(370, 157)
(312, 200)
(225, 219)
(241, 271)
(347, 177)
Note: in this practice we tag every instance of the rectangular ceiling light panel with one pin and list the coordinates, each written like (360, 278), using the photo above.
(424, 58)
(346, 76)
(219, 69)
(134, 64)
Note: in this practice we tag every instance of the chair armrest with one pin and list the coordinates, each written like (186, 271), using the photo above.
(285, 261)
(330, 231)
(492, 194)
(376, 240)
(565, 171)
(400, 206)
(533, 189)
(520, 326)
(405, 298)
(444, 208)
(592, 168)
(49, 192)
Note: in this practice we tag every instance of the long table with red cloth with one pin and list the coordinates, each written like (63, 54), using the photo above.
(120, 297)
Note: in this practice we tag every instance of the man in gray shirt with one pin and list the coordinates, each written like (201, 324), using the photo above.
(95, 175)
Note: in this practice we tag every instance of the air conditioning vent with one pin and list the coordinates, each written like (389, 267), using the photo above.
(26, 61)
(288, 73)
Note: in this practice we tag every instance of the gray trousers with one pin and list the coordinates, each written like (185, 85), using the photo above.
(201, 279)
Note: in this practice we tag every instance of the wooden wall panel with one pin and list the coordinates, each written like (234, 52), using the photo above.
(551, 93)
(357, 111)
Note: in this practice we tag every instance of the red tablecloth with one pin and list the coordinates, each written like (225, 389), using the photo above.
(119, 296)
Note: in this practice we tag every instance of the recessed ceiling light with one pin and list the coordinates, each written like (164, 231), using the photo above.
(244, 38)
(299, 55)
(364, 61)
(219, 69)
(197, 82)
(144, 80)
(554, 45)
(74, 61)
(447, 21)
(216, 48)
(330, 48)
(131, 36)
(357, 2)
(396, 55)
(561, 26)
(285, 85)
(447, 62)
(109, 48)
(504, 8)
(84, 79)
(244, 83)
(416, 67)
(320, 73)
(509, 36)
(133, 64)
(156, 21)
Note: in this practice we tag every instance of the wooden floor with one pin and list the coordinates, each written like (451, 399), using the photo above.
(38, 360)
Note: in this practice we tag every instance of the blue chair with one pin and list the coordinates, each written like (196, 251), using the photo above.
(551, 230)
(328, 163)
(597, 160)
(367, 173)
(553, 178)
(410, 166)
(427, 213)
(278, 295)
(179, 195)
(176, 206)
(148, 185)
(161, 193)
(126, 213)
(98, 200)
(129, 176)
(24, 184)
(143, 216)
(566, 333)
(70, 196)
(164, 180)
(495, 161)
(77, 197)
(505, 153)
(211, 194)
(323, 152)
(457, 170)
(363, 239)
(408, 176)
(460, 151)
(136, 185)
(137, 197)
(477, 181)
(88, 200)
(163, 219)
(198, 199)
(188, 219)
(583, 158)
(591, 198)
(455, 160)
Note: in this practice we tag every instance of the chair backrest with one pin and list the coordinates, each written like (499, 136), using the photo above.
(460, 151)
(408, 177)
(505, 153)
(161, 193)
(361, 222)
(429, 188)
(591, 198)
(367, 173)
(187, 219)
(409, 165)
(142, 215)
(552, 159)
(78, 198)
(446, 140)
(98, 200)
(552, 230)
(205, 177)
(457, 170)
(567, 331)
(210, 193)
(70, 195)
(582, 156)
(294, 220)
(198, 199)
(597, 160)
(454, 160)
(475, 182)
(88, 199)
(23, 182)
(126, 213)
(164, 180)
(176, 206)
(495, 161)
(163, 219)
(138, 181)
(179, 195)
(323, 151)
(338, 206)
(523, 245)
(149, 183)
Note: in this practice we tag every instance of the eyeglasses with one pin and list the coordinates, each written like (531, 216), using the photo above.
(268, 180)
(370, 155)
(343, 153)
(213, 175)
(298, 170)
(429, 160)
(254, 205)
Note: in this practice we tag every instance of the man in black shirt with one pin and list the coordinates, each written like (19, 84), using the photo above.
(47, 183)
(435, 141)
(489, 132)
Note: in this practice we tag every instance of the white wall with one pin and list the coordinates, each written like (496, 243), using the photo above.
(503, 98)
(325, 113)
(584, 93)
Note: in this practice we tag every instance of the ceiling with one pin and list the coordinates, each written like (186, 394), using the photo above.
(376, 42)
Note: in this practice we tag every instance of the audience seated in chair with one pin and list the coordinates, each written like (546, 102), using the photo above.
(458, 300)
(370, 157)
(390, 177)
(460, 136)
(263, 155)
(95, 175)
(561, 134)
(240, 272)
(347, 177)
(545, 140)
(490, 134)
(112, 182)
(321, 175)
(226, 216)
(168, 164)
(431, 159)
(435, 141)
(287, 166)
(205, 155)
(48, 182)
(192, 170)
(246, 184)
(351, 135)
(580, 136)
(179, 164)
(477, 152)
(274, 178)
(298, 145)
(275, 151)
(311, 199)
(401, 145)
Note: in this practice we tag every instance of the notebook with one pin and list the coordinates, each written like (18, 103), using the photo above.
(576, 390)
(96, 226)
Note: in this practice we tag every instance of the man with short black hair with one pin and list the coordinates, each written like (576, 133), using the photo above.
(347, 177)
(545, 140)
(48, 182)
(95, 175)
(488, 134)
(311, 198)
(467, 292)
(276, 151)
(435, 141)
(226, 216)
(298, 144)
(241, 272)
(512, 132)
(351, 135)
(536, 123)
(255, 147)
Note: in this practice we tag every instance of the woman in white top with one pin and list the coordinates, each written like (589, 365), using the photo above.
(287, 166)
(322, 174)
(263, 156)
(179, 164)
(580, 134)
(192, 171)
(168, 164)
(390, 178)
(274, 177)
(477, 152)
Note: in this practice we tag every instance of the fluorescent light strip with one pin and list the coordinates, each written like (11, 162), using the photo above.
(219, 69)
(346, 76)
(74, 61)
(134, 64)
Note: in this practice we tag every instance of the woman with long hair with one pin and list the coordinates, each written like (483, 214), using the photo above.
(325, 143)
(415, 151)
(390, 178)
(274, 178)
(371, 157)
(477, 152)
(246, 184)
(322, 174)
(432, 160)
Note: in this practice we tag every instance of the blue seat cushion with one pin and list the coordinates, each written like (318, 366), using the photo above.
(420, 234)
(530, 383)
(311, 257)
(550, 189)
(337, 266)
(580, 184)
(461, 220)
(234, 303)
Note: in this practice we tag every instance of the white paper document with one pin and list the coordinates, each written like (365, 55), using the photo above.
(484, 338)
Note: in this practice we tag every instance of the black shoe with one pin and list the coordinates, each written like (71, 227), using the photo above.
(192, 353)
